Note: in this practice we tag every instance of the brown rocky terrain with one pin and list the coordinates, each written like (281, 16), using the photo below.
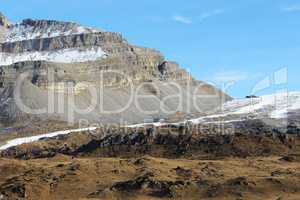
(63, 177)
(105, 164)
(256, 160)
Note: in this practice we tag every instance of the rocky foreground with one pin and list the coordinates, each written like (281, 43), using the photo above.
(64, 177)
(175, 164)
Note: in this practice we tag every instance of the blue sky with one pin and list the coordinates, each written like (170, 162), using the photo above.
(219, 41)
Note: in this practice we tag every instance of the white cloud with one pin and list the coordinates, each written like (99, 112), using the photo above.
(212, 13)
(205, 15)
(182, 19)
(230, 76)
(292, 8)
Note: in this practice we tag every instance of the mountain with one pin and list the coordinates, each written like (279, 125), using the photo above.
(66, 58)
(202, 144)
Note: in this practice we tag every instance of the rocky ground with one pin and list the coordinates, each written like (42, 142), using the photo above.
(139, 165)
(34, 127)
(66, 177)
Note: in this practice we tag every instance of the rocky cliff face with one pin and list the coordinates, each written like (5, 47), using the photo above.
(71, 53)
(4, 21)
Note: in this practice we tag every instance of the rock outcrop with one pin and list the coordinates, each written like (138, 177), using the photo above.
(4, 21)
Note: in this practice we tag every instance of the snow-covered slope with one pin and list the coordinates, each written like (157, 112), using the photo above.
(275, 106)
(60, 56)
(25, 31)
(26, 140)
(272, 107)
(36, 29)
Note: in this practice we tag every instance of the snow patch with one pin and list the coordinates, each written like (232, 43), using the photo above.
(156, 124)
(20, 32)
(26, 140)
(61, 56)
